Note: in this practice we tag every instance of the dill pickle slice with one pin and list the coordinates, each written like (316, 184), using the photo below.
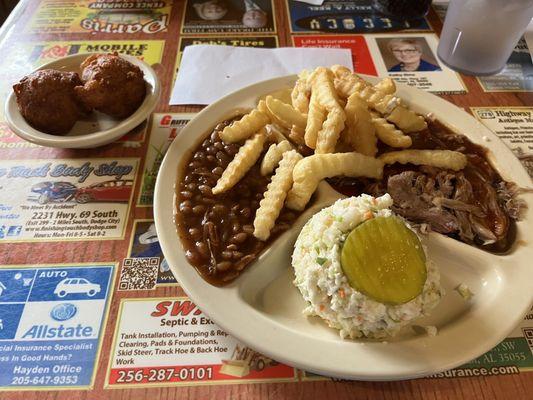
(383, 259)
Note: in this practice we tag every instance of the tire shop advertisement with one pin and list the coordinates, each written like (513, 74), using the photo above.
(170, 341)
(51, 320)
(46, 200)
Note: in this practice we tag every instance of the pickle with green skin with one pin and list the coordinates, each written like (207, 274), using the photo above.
(384, 259)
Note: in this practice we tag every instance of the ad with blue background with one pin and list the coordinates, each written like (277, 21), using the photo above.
(51, 321)
(341, 16)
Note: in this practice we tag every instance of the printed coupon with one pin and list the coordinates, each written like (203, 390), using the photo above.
(170, 341)
(47, 200)
(517, 75)
(341, 16)
(228, 16)
(165, 127)
(362, 60)
(146, 267)
(109, 16)
(51, 321)
(410, 58)
(514, 125)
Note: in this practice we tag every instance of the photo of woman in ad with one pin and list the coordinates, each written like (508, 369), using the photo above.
(409, 53)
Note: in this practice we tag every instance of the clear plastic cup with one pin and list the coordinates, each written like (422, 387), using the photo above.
(479, 35)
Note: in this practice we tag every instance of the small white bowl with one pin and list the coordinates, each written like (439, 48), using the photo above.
(97, 128)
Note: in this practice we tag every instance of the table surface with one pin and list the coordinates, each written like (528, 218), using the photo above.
(17, 39)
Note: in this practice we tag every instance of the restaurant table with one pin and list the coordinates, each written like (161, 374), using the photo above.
(82, 277)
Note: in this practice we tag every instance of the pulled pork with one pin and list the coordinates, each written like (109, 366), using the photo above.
(462, 204)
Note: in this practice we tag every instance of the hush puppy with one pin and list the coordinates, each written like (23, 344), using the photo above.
(48, 102)
(112, 86)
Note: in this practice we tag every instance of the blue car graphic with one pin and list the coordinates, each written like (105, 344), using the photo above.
(46, 192)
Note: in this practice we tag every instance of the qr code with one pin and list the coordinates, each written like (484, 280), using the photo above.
(139, 273)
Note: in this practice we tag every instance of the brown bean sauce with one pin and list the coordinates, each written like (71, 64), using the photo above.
(217, 231)
(479, 172)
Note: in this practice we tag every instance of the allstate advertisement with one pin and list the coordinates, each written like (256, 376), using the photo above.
(51, 322)
(46, 200)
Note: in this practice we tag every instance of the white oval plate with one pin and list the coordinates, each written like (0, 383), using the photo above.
(263, 309)
(97, 128)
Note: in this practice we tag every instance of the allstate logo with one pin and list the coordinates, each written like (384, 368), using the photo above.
(63, 312)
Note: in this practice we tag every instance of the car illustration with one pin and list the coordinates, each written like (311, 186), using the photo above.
(76, 286)
(45, 192)
(115, 191)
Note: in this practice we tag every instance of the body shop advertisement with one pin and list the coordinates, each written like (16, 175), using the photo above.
(65, 199)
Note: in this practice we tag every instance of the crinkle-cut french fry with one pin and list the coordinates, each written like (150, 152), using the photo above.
(245, 127)
(406, 119)
(361, 133)
(274, 134)
(346, 82)
(301, 92)
(322, 84)
(379, 97)
(297, 135)
(245, 158)
(388, 133)
(315, 118)
(330, 132)
(261, 106)
(272, 203)
(392, 107)
(446, 159)
(385, 86)
(273, 156)
(340, 71)
(285, 114)
(386, 104)
(283, 95)
(281, 128)
(323, 88)
(311, 170)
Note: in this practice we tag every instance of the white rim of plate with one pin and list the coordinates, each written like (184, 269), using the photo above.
(411, 358)
(95, 139)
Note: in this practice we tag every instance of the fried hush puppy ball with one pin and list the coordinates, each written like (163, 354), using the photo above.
(47, 100)
(112, 86)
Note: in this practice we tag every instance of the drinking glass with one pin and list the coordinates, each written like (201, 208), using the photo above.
(479, 35)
